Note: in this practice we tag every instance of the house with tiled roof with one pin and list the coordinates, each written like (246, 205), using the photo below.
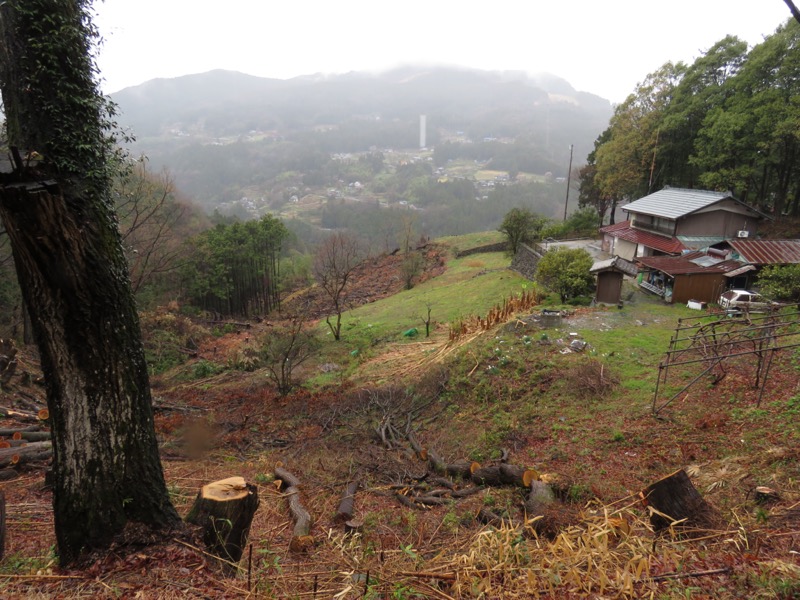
(675, 220)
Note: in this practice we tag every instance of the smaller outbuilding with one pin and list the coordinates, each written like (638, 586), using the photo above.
(610, 274)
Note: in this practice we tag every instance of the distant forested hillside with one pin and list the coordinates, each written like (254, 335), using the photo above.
(223, 134)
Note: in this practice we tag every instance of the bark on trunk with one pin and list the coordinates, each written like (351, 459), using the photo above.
(106, 467)
(225, 510)
(72, 272)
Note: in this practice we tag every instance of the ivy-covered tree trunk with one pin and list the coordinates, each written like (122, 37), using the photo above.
(72, 272)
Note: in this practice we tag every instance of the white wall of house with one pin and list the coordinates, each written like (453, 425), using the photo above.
(625, 249)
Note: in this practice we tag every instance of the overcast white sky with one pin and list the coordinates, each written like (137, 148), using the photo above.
(603, 47)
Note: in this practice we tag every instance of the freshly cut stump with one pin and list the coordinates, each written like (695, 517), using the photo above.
(225, 510)
(674, 498)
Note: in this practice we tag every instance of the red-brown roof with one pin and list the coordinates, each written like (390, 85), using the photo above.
(624, 231)
(767, 252)
(683, 265)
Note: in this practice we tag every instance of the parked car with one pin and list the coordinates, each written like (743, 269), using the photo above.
(746, 300)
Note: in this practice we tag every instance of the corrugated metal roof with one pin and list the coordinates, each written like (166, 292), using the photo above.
(767, 252)
(624, 231)
(674, 203)
(740, 271)
(696, 242)
(617, 263)
(686, 265)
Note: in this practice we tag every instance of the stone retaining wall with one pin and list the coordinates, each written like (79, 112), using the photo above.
(497, 247)
(525, 261)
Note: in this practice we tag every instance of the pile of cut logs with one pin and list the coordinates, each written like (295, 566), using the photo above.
(23, 447)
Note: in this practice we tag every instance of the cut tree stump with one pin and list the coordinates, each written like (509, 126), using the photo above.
(674, 498)
(225, 510)
(539, 509)
(347, 503)
(302, 541)
(539, 499)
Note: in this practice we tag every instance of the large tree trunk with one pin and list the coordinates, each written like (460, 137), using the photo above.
(106, 463)
(74, 279)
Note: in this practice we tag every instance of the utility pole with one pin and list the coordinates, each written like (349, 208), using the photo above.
(569, 176)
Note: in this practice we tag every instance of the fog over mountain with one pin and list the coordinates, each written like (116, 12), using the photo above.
(355, 112)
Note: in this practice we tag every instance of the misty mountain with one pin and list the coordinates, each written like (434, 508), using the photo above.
(222, 103)
(173, 118)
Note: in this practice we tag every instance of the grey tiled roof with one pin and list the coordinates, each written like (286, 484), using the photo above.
(674, 203)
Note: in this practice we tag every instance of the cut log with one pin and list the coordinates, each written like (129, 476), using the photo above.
(26, 453)
(10, 413)
(462, 468)
(437, 464)
(13, 443)
(32, 436)
(225, 510)
(347, 503)
(8, 474)
(673, 499)
(11, 432)
(302, 541)
(504, 474)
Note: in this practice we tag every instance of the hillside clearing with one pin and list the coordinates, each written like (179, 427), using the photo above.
(581, 419)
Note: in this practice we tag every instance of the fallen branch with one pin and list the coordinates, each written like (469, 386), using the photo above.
(347, 503)
(429, 575)
(302, 541)
(666, 576)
